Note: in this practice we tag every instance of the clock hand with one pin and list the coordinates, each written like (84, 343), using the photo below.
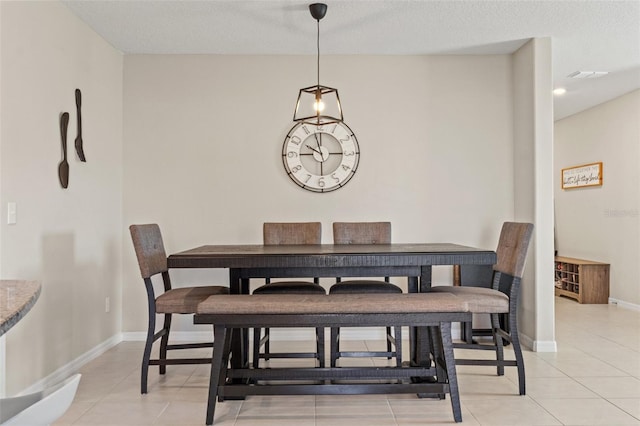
(318, 141)
(313, 149)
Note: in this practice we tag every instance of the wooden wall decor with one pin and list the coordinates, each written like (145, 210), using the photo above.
(79, 147)
(63, 167)
(581, 176)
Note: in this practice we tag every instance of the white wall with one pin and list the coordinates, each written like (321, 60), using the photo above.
(603, 223)
(198, 151)
(532, 160)
(70, 240)
(203, 138)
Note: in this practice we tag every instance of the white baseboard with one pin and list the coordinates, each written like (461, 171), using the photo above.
(282, 334)
(526, 341)
(537, 345)
(176, 336)
(71, 368)
(544, 346)
(623, 304)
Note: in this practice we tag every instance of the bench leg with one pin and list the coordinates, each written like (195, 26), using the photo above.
(437, 352)
(447, 349)
(221, 344)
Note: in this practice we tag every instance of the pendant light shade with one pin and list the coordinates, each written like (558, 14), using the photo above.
(318, 104)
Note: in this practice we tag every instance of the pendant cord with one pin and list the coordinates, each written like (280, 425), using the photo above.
(318, 50)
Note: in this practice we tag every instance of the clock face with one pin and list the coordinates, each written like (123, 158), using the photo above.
(320, 158)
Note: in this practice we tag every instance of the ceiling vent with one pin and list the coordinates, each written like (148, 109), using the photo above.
(588, 74)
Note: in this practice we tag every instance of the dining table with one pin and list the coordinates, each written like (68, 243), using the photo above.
(252, 261)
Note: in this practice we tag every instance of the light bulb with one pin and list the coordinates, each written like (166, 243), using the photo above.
(318, 105)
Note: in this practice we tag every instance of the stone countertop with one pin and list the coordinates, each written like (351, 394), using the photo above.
(16, 299)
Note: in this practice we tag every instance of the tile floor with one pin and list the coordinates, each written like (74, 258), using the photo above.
(593, 379)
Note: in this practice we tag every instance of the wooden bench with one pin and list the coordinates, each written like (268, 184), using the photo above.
(435, 311)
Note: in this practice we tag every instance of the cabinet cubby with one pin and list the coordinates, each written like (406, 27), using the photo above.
(583, 280)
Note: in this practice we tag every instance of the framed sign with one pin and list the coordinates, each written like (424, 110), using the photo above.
(581, 176)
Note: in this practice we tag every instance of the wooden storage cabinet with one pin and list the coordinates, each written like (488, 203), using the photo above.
(583, 280)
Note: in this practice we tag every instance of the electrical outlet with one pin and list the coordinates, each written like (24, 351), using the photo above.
(107, 304)
(11, 213)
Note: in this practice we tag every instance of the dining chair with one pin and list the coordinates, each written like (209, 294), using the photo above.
(289, 233)
(152, 260)
(500, 299)
(365, 233)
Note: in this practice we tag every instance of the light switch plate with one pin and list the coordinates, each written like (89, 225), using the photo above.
(12, 215)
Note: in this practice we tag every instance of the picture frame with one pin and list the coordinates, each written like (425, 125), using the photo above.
(585, 175)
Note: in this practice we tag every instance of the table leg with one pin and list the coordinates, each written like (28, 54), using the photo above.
(239, 336)
(412, 287)
(425, 278)
(218, 369)
(234, 281)
(421, 349)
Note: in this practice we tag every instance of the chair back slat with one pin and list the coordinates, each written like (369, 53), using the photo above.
(294, 233)
(362, 232)
(513, 247)
(147, 242)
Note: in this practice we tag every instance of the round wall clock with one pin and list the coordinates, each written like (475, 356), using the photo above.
(320, 158)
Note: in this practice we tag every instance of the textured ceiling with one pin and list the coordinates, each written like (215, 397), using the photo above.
(586, 35)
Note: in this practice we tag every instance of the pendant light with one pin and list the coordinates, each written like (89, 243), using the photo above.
(318, 105)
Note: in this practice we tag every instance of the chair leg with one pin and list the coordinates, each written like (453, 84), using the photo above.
(146, 355)
(517, 350)
(388, 339)
(164, 341)
(498, 342)
(267, 346)
(466, 328)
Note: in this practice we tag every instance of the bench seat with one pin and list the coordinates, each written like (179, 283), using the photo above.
(435, 311)
(331, 303)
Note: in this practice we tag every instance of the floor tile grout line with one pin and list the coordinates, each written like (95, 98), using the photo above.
(393, 413)
(622, 409)
(463, 407)
(547, 411)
